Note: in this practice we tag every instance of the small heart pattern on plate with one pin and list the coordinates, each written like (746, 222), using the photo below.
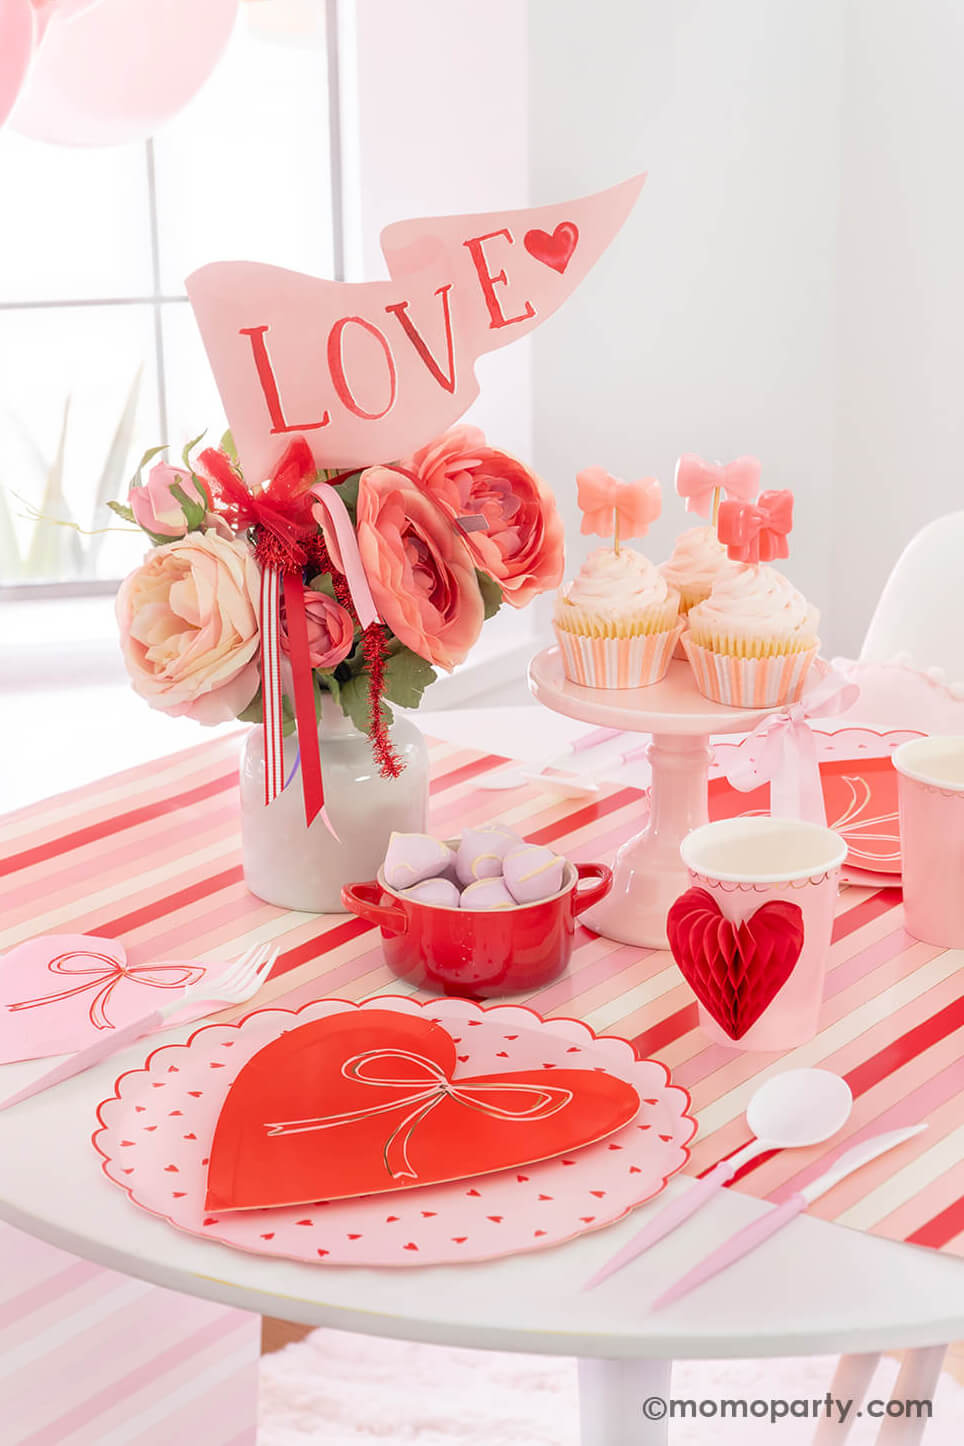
(158, 1118)
(735, 971)
(361, 1103)
(553, 248)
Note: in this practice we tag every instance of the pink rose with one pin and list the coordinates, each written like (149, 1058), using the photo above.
(331, 631)
(154, 505)
(523, 544)
(188, 621)
(418, 566)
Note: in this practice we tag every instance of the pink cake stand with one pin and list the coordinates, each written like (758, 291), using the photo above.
(648, 871)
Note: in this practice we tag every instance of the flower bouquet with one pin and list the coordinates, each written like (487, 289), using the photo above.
(266, 602)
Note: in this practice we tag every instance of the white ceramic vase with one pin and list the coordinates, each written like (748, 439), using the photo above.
(297, 867)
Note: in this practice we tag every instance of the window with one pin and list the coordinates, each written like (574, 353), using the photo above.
(97, 339)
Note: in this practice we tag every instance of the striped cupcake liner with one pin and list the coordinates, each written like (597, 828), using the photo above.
(617, 662)
(749, 682)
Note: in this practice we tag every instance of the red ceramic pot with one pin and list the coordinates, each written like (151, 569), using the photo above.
(478, 952)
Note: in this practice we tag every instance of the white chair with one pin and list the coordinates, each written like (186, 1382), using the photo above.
(911, 664)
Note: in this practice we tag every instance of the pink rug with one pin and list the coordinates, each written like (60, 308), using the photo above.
(338, 1390)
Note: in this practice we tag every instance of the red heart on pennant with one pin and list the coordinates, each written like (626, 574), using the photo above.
(734, 971)
(555, 250)
(365, 1101)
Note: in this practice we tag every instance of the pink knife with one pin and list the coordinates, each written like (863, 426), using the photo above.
(759, 1230)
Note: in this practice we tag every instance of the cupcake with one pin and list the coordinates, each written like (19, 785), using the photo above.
(752, 641)
(697, 560)
(617, 622)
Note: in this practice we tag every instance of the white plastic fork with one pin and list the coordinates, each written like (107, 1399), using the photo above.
(236, 985)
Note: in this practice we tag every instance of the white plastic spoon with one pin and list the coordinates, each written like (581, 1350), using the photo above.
(518, 777)
(789, 1111)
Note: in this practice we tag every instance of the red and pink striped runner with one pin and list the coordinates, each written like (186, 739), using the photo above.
(152, 855)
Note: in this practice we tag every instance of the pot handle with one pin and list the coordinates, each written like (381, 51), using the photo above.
(583, 898)
(363, 900)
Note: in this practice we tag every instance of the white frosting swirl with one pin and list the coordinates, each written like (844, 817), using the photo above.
(757, 600)
(696, 560)
(616, 583)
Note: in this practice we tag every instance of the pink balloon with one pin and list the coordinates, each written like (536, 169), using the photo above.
(16, 47)
(113, 71)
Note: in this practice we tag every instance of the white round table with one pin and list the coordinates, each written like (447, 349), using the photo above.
(816, 1288)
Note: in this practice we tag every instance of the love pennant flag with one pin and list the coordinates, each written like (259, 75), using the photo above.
(368, 372)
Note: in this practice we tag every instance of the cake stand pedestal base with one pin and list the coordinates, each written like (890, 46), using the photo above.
(648, 873)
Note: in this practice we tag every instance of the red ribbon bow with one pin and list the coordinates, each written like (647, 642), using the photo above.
(757, 532)
(281, 512)
(105, 975)
(428, 1086)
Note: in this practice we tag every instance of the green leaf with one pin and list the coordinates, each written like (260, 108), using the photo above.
(147, 457)
(189, 448)
(226, 444)
(122, 510)
(194, 512)
(406, 678)
(355, 703)
(348, 492)
(323, 583)
(491, 594)
(330, 682)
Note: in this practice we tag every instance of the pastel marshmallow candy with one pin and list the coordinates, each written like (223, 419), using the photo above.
(487, 894)
(533, 872)
(481, 851)
(412, 857)
(440, 892)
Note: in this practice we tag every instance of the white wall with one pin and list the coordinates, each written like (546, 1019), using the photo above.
(709, 325)
(792, 281)
(899, 433)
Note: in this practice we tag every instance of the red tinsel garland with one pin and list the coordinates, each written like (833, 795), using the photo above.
(373, 648)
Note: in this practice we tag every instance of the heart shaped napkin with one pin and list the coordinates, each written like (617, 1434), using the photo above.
(359, 1103)
(59, 992)
(735, 971)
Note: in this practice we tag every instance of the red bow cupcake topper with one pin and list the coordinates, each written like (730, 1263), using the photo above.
(611, 506)
(757, 532)
(702, 484)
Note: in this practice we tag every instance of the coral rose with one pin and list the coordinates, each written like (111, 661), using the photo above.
(154, 505)
(188, 620)
(331, 631)
(523, 544)
(418, 567)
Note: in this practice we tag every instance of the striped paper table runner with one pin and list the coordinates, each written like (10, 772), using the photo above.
(92, 1358)
(152, 856)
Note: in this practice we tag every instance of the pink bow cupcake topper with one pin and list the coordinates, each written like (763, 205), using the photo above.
(702, 484)
(610, 506)
(757, 532)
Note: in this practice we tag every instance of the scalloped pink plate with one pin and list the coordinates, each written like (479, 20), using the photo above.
(156, 1132)
(860, 792)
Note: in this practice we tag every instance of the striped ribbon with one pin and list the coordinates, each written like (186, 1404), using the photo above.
(274, 756)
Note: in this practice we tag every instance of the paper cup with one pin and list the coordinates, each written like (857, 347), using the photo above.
(748, 682)
(744, 863)
(930, 790)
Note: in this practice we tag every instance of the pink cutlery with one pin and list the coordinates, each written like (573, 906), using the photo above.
(789, 1111)
(760, 1230)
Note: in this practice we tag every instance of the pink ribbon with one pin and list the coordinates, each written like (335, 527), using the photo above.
(696, 481)
(782, 751)
(757, 533)
(105, 973)
(331, 514)
(604, 500)
(428, 1086)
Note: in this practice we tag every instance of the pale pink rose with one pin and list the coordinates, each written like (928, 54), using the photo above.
(418, 567)
(523, 543)
(331, 631)
(188, 621)
(154, 505)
